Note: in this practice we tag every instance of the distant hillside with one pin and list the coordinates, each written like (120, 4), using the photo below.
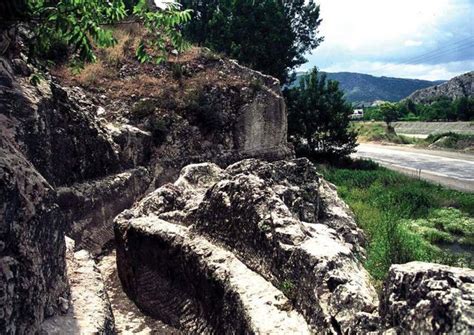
(364, 88)
(460, 86)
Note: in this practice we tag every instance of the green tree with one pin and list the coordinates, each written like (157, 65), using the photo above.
(84, 25)
(464, 108)
(390, 113)
(319, 117)
(267, 35)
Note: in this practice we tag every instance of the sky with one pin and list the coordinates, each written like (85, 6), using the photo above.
(422, 39)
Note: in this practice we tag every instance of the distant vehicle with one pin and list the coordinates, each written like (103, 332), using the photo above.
(358, 114)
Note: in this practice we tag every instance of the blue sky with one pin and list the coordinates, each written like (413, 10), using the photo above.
(424, 39)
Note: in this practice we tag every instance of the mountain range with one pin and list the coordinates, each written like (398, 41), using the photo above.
(365, 89)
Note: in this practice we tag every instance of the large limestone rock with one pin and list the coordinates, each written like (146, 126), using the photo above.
(49, 138)
(426, 298)
(244, 118)
(229, 242)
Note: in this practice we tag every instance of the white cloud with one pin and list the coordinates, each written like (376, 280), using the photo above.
(412, 43)
(365, 24)
(165, 4)
(395, 31)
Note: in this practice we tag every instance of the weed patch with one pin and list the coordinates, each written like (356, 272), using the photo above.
(404, 219)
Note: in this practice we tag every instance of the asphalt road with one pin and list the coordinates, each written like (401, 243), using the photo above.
(454, 170)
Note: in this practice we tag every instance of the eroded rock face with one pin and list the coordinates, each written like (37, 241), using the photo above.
(32, 265)
(56, 132)
(458, 87)
(49, 137)
(429, 298)
(267, 223)
(90, 207)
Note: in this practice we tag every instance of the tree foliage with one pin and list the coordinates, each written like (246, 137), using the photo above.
(318, 118)
(442, 109)
(78, 22)
(267, 35)
(163, 26)
(84, 25)
(390, 113)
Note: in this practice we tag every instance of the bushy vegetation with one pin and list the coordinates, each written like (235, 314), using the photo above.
(449, 140)
(318, 118)
(379, 132)
(266, 35)
(442, 109)
(404, 218)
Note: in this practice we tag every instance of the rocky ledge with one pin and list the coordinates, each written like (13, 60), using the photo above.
(269, 248)
(426, 298)
(218, 249)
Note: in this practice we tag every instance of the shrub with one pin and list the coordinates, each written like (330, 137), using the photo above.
(143, 108)
(207, 114)
(288, 288)
(159, 129)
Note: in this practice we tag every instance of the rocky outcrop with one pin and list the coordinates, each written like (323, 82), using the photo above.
(54, 128)
(264, 247)
(32, 265)
(458, 87)
(224, 124)
(49, 138)
(197, 108)
(68, 167)
(428, 298)
(224, 242)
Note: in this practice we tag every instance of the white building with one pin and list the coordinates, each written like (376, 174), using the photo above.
(358, 114)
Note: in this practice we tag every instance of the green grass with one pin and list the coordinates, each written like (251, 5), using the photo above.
(404, 218)
(378, 132)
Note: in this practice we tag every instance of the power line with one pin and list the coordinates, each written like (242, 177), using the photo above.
(439, 51)
(459, 45)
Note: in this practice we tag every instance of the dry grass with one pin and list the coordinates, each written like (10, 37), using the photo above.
(128, 38)
(173, 84)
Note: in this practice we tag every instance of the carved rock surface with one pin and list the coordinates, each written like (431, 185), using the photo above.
(90, 207)
(88, 310)
(429, 298)
(225, 241)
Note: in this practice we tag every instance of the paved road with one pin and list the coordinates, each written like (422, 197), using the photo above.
(451, 169)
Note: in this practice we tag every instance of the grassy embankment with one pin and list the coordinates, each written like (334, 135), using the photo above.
(406, 219)
(378, 132)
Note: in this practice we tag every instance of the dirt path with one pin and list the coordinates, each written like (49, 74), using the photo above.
(128, 318)
(451, 169)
